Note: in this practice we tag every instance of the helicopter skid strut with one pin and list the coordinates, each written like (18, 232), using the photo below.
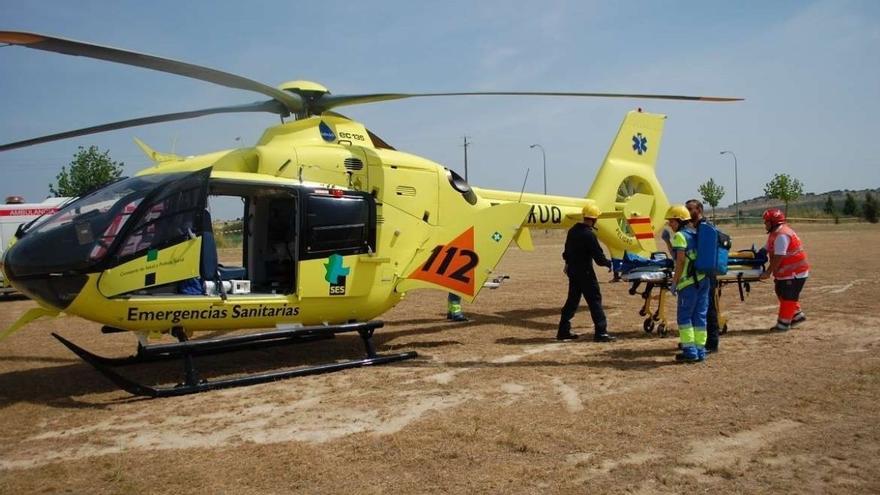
(188, 349)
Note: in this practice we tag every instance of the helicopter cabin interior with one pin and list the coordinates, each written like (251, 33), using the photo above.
(279, 227)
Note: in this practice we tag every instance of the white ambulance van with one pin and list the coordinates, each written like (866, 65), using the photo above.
(14, 213)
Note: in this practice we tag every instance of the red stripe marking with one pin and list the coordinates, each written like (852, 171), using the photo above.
(645, 236)
(639, 220)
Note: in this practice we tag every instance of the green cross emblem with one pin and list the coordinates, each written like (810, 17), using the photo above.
(497, 236)
(335, 269)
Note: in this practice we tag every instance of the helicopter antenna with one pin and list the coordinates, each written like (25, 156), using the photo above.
(521, 191)
(466, 144)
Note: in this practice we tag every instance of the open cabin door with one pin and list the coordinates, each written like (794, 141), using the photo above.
(162, 241)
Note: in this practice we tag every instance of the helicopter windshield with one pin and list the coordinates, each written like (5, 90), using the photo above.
(81, 234)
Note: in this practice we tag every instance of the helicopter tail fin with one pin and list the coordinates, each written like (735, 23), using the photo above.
(156, 156)
(460, 257)
(627, 184)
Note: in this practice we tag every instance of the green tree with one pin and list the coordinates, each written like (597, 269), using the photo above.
(89, 170)
(711, 193)
(850, 208)
(784, 187)
(869, 209)
(829, 206)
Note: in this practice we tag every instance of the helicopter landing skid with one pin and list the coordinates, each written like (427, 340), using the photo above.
(187, 349)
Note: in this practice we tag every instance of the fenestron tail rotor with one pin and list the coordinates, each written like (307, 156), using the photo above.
(300, 98)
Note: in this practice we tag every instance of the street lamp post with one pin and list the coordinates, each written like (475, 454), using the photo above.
(544, 159)
(735, 184)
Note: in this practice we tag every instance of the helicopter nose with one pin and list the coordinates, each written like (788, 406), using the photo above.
(48, 285)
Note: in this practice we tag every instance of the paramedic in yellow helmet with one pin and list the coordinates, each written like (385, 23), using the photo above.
(691, 286)
(581, 250)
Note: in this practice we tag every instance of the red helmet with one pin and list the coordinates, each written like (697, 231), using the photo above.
(774, 216)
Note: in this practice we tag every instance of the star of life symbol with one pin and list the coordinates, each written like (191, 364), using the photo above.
(640, 143)
(496, 237)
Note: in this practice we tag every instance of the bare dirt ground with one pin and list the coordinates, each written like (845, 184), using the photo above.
(493, 405)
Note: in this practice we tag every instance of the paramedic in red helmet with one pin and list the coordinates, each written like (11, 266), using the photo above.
(789, 267)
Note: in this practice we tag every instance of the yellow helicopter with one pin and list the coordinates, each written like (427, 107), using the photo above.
(337, 227)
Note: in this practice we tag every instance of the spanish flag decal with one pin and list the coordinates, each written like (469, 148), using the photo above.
(641, 227)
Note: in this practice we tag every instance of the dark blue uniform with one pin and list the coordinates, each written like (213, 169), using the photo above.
(581, 250)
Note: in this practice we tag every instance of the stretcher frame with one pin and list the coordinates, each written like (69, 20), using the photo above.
(656, 319)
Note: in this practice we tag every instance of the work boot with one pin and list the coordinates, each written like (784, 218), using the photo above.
(688, 354)
(604, 337)
(781, 327)
(456, 317)
(566, 336)
(701, 353)
(799, 318)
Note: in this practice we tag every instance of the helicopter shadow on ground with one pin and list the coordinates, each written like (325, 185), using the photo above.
(474, 364)
(64, 386)
(638, 359)
(585, 335)
(752, 332)
(520, 318)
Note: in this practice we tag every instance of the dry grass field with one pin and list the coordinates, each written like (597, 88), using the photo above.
(494, 405)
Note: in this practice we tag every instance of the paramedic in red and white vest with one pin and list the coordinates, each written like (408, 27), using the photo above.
(789, 266)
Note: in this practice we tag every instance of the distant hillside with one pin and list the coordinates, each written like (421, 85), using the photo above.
(808, 205)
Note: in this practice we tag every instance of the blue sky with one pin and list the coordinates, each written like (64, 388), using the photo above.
(810, 73)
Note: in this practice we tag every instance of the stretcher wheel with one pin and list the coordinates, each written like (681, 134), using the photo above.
(723, 329)
(662, 330)
(648, 326)
(642, 312)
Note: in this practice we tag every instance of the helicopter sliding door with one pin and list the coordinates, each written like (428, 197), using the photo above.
(271, 240)
(162, 242)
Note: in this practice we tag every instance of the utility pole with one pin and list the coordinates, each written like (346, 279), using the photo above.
(466, 144)
(735, 183)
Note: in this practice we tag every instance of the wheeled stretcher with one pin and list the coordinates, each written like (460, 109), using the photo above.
(655, 273)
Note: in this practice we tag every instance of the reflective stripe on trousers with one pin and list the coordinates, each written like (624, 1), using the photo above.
(693, 304)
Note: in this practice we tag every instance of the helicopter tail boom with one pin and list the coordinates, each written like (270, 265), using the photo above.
(626, 190)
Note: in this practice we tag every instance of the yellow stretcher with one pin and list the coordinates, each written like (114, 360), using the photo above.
(657, 279)
(653, 280)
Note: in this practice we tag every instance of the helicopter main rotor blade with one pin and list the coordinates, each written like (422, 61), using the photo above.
(292, 102)
(271, 106)
(331, 101)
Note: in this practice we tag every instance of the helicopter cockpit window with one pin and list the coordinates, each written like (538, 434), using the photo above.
(80, 234)
(85, 233)
(169, 219)
(340, 225)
